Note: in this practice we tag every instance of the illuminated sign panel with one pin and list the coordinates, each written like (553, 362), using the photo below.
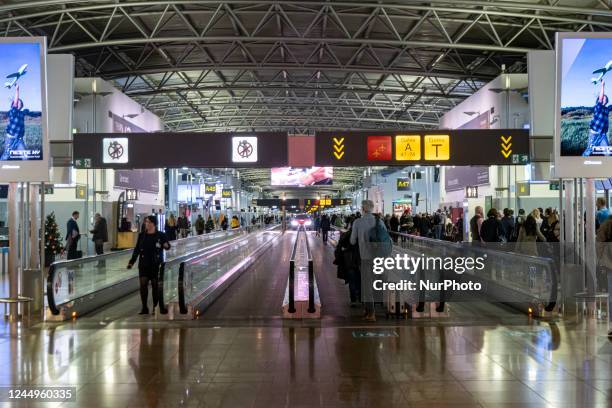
(407, 147)
(115, 150)
(379, 148)
(226, 193)
(403, 184)
(244, 149)
(210, 189)
(462, 147)
(437, 147)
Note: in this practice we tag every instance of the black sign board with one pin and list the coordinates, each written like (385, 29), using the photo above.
(462, 147)
(226, 193)
(174, 150)
(276, 202)
(471, 192)
(131, 194)
(403, 184)
(210, 188)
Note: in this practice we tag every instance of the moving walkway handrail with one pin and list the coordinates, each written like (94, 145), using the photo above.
(76, 263)
(291, 308)
(182, 304)
(311, 284)
(512, 258)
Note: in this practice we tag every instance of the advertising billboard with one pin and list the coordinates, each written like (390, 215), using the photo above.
(23, 122)
(301, 177)
(582, 136)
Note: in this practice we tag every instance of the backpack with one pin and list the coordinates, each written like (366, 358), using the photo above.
(379, 237)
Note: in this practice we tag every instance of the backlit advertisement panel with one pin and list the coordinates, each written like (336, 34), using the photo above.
(300, 177)
(23, 126)
(582, 138)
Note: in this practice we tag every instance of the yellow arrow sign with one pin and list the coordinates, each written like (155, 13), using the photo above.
(506, 145)
(338, 147)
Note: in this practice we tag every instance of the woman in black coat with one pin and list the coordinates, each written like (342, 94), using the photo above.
(149, 252)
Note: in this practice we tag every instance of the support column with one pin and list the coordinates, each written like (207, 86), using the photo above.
(34, 216)
(589, 243)
(568, 223)
(13, 261)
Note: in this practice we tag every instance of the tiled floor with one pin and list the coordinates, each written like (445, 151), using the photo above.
(240, 355)
(426, 365)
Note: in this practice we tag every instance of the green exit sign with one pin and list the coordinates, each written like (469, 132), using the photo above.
(82, 163)
(554, 185)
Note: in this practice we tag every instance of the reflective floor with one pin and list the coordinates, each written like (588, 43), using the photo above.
(428, 365)
(241, 354)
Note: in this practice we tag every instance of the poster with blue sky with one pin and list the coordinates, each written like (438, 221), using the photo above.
(21, 130)
(585, 85)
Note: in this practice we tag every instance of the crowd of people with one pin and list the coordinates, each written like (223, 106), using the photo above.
(182, 227)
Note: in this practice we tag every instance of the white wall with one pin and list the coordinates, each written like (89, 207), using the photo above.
(484, 100)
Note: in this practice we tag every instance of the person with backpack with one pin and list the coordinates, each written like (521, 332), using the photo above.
(370, 234)
(508, 224)
(149, 251)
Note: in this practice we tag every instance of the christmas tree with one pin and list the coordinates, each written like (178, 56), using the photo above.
(53, 240)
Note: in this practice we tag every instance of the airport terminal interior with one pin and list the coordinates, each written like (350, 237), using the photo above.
(241, 203)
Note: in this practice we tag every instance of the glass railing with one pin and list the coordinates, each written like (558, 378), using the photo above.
(74, 279)
(202, 273)
(512, 277)
(169, 273)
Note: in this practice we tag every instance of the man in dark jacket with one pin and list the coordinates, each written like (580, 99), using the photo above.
(72, 236)
(476, 223)
(394, 226)
(491, 229)
(325, 227)
(508, 224)
(99, 236)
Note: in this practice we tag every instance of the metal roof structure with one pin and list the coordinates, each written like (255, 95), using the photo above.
(300, 65)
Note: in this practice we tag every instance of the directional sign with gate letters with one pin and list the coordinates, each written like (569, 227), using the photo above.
(462, 147)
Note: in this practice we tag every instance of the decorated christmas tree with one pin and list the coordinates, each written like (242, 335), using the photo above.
(53, 239)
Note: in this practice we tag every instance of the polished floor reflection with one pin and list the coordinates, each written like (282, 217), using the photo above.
(536, 364)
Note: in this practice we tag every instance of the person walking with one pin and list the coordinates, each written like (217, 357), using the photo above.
(99, 235)
(200, 225)
(149, 252)
(317, 225)
(325, 227)
(528, 237)
(171, 227)
(183, 226)
(406, 223)
(508, 224)
(360, 235)
(475, 224)
(73, 235)
(394, 224)
(603, 213)
(491, 229)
